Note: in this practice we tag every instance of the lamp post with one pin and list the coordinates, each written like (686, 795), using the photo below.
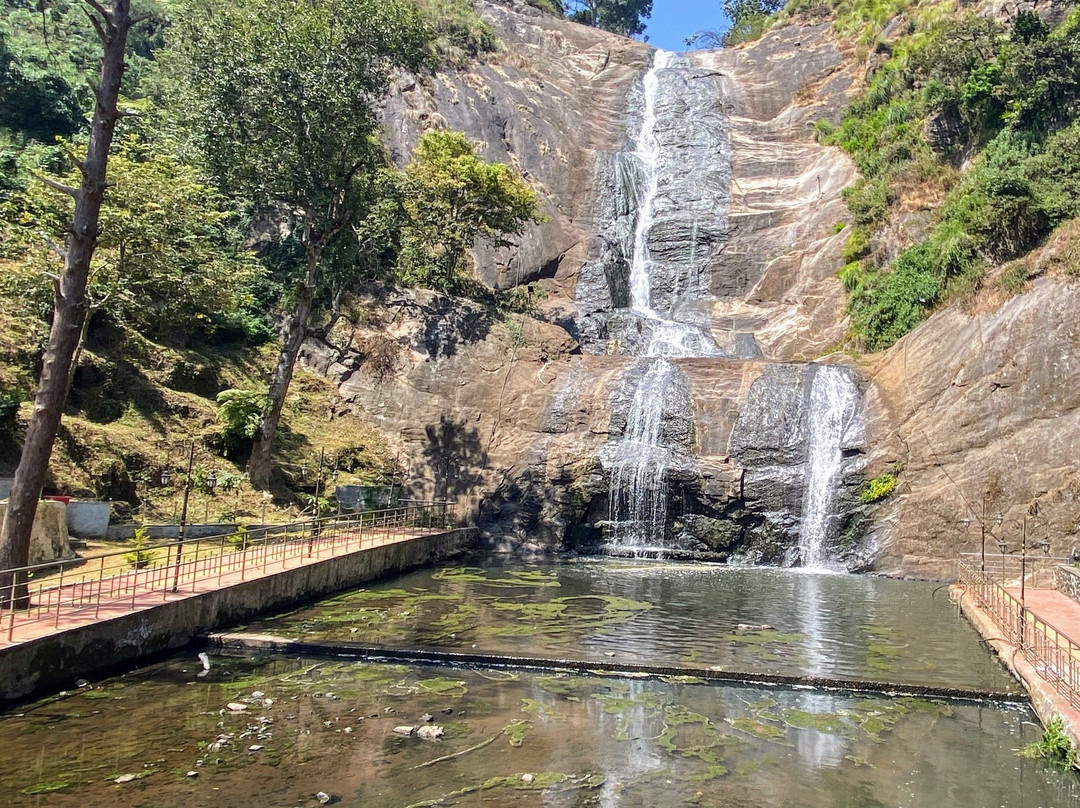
(211, 484)
(183, 517)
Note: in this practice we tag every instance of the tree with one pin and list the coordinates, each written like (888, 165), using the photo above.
(748, 20)
(112, 21)
(166, 255)
(281, 104)
(626, 17)
(451, 198)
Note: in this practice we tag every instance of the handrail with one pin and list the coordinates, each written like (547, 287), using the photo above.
(1054, 654)
(181, 564)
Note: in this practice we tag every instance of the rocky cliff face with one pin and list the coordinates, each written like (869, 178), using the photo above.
(512, 414)
(983, 410)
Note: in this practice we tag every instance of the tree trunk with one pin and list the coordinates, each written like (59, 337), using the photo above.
(260, 467)
(68, 309)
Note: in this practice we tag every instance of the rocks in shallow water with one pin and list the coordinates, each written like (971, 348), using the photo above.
(404, 730)
(746, 628)
(429, 732)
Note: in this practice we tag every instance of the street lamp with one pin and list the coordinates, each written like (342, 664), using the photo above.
(211, 483)
(183, 517)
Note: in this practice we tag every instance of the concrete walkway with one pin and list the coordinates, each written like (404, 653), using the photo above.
(205, 576)
(103, 634)
(1058, 611)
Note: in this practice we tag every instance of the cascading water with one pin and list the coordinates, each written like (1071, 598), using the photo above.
(668, 223)
(639, 462)
(834, 404)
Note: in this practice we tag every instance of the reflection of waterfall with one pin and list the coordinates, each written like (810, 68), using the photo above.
(834, 402)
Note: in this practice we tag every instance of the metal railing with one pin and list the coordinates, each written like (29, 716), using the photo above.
(43, 593)
(1054, 655)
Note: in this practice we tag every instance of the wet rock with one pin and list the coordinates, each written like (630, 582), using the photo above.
(747, 628)
(430, 732)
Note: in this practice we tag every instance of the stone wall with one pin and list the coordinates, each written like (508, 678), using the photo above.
(1067, 581)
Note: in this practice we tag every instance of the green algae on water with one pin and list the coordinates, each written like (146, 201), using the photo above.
(512, 578)
(516, 731)
(829, 723)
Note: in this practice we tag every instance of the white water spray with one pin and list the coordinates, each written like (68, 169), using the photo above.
(834, 403)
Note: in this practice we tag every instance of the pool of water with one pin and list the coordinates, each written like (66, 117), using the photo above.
(508, 739)
(697, 615)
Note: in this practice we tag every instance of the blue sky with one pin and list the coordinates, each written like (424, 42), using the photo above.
(674, 20)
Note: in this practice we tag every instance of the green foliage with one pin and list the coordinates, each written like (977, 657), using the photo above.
(451, 197)
(240, 413)
(10, 400)
(460, 34)
(749, 19)
(886, 305)
(862, 20)
(282, 105)
(553, 7)
(47, 51)
(1010, 95)
(626, 17)
(140, 556)
(169, 253)
(877, 489)
(857, 245)
(240, 538)
(1055, 746)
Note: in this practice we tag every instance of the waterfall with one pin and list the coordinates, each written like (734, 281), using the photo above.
(639, 462)
(834, 403)
(647, 151)
(649, 298)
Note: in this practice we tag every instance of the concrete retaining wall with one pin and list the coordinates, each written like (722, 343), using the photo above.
(56, 662)
(88, 520)
(191, 531)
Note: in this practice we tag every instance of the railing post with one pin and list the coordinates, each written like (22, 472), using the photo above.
(59, 596)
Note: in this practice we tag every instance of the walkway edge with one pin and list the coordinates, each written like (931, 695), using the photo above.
(57, 661)
(1045, 700)
(263, 643)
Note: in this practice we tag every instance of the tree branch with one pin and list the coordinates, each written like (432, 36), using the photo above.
(94, 21)
(100, 9)
(58, 186)
(56, 248)
(74, 158)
